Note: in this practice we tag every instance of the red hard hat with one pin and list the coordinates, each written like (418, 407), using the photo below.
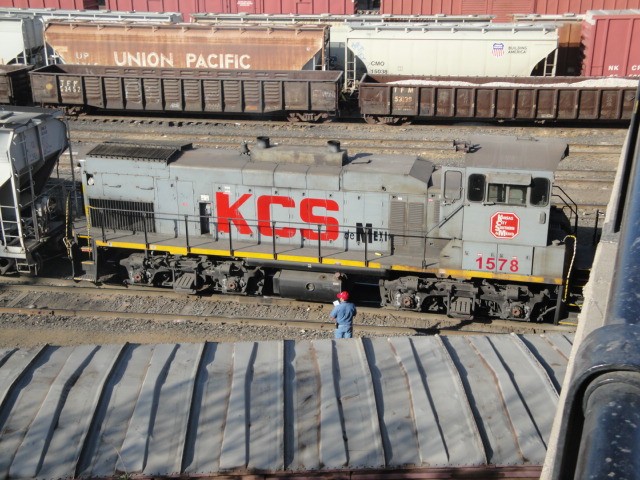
(344, 296)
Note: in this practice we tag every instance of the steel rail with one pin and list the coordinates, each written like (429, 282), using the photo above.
(433, 323)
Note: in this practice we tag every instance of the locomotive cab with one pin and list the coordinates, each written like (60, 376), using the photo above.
(506, 204)
(502, 224)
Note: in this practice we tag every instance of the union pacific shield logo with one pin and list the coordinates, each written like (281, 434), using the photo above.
(497, 50)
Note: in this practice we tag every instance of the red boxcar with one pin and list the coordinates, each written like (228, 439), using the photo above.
(555, 7)
(58, 4)
(611, 43)
(187, 7)
(502, 9)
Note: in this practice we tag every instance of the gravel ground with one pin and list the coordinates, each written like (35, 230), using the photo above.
(26, 331)
(224, 319)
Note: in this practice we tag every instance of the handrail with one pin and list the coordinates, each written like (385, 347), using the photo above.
(346, 232)
(569, 203)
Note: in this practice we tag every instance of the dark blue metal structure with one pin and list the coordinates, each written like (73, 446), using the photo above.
(600, 434)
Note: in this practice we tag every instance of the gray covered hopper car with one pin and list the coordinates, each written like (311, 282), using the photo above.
(302, 95)
(399, 99)
(450, 50)
(31, 141)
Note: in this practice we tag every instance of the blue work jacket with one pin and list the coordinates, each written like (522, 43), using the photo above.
(344, 313)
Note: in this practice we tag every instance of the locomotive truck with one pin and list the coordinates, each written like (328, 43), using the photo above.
(489, 238)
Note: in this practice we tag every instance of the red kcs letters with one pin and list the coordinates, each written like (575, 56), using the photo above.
(230, 213)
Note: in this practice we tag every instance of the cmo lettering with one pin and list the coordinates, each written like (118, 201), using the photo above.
(228, 213)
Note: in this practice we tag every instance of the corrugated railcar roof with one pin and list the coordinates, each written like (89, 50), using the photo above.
(423, 402)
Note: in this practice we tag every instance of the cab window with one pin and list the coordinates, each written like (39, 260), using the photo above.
(539, 192)
(475, 188)
(452, 185)
(508, 194)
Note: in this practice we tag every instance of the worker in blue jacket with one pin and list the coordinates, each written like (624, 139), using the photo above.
(342, 314)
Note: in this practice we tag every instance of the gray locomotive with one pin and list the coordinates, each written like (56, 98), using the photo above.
(303, 222)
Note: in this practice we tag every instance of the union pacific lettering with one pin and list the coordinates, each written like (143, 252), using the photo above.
(192, 60)
(309, 211)
(143, 59)
(218, 60)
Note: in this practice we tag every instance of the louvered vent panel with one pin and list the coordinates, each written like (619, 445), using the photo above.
(397, 218)
(122, 215)
(436, 211)
(415, 226)
(397, 222)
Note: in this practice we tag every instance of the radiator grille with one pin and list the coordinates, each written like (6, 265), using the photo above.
(436, 211)
(122, 215)
(407, 225)
(415, 226)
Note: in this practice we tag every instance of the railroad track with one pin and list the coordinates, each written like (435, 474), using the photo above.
(63, 299)
(353, 135)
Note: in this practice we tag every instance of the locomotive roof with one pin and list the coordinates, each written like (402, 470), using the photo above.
(362, 172)
(515, 153)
